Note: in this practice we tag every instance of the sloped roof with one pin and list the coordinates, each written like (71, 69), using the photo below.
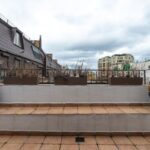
(7, 45)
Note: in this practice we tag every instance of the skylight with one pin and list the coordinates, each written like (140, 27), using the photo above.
(36, 52)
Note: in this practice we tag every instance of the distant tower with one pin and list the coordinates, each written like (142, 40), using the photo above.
(40, 42)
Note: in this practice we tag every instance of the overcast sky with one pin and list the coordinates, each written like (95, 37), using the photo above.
(84, 29)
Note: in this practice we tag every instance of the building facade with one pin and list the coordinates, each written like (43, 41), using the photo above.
(144, 67)
(104, 65)
(116, 61)
(19, 53)
(52, 63)
(119, 60)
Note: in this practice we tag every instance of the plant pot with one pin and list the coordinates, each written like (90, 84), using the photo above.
(149, 90)
(125, 81)
(71, 80)
(21, 81)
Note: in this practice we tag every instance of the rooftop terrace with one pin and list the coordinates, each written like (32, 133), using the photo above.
(15, 142)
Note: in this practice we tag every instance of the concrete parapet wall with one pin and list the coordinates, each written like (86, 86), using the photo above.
(76, 123)
(73, 94)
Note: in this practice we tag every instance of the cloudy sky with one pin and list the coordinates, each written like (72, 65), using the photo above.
(76, 30)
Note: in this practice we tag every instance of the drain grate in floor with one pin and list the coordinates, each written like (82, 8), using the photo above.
(80, 139)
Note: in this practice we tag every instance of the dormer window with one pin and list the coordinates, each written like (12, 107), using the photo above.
(18, 41)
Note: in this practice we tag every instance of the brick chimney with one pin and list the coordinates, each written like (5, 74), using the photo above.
(38, 43)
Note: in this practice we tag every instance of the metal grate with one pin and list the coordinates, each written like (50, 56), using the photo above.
(80, 139)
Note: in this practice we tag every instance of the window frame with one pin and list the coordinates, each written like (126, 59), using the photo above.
(18, 40)
(36, 54)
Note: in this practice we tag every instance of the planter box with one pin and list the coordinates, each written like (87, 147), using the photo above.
(125, 81)
(71, 80)
(149, 90)
(21, 81)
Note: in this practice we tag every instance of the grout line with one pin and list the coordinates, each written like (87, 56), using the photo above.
(2, 145)
(60, 142)
(42, 143)
(114, 143)
(21, 146)
(59, 146)
(78, 146)
(96, 143)
(132, 142)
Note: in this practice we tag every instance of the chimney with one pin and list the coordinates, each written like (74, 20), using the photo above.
(38, 43)
(50, 56)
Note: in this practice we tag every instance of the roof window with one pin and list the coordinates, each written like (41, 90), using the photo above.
(36, 52)
(18, 40)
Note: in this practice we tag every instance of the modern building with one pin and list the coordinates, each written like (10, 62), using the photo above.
(19, 53)
(116, 61)
(104, 65)
(144, 67)
(119, 60)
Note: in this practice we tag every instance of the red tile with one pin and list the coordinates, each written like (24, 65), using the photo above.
(50, 147)
(104, 140)
(88, 147)
(69, 147)
(52, 140)
(31, 147)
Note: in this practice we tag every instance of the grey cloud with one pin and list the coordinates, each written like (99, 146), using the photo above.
(139, 30)
(92, 45)
(95, 32)
(99, 45)
(73, 19)
(77, 54)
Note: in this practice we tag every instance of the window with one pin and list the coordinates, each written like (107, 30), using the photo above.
(4, 62)
(37, 53)
(120, 61)
(18, 39)
(149, 67)
(17, 64)
(27, 64)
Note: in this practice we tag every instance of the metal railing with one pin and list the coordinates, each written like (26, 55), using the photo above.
(93, 76)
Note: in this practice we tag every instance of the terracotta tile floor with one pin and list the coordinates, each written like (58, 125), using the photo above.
(123, 140)
(53, 140)
(75, 110)
(104, 140)
(50, 147)
(70, 110)
(13, 142)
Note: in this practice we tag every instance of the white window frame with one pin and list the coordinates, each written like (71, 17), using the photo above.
(18, 39)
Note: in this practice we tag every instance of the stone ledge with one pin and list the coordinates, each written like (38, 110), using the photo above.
(104, 123)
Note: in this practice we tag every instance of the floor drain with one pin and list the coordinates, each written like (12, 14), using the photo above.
(80, 139)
